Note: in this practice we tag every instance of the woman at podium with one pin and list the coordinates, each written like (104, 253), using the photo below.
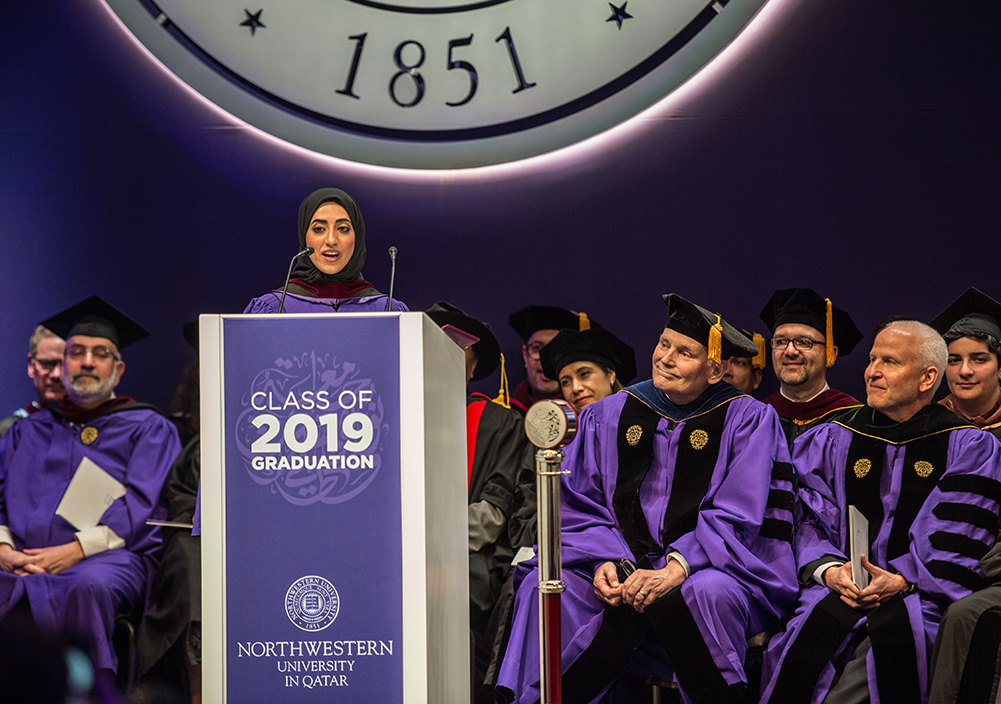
(330, 278)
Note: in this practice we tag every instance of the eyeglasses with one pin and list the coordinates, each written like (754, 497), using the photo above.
(800, 343)
(101, 354)
(46, 365)
(534, 349)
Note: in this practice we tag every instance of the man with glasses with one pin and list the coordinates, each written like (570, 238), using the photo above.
(808, 334)
(924, 482)
(76, 569)
(45, 354)
(537, 325)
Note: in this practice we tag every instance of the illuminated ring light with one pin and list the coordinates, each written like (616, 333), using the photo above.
(437, 141)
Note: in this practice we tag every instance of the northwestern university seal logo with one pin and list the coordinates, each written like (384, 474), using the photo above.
(434, 83)
(312, 603)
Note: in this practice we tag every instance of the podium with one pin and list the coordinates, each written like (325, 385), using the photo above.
(333, 510)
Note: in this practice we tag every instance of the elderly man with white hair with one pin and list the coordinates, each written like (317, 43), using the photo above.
(926, 482)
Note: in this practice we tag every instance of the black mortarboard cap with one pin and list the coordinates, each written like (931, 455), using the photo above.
(805, 307)
(97, 318)
(487, 350)
(594, 345)
(972, 312)
(720, 338)
(531, 319)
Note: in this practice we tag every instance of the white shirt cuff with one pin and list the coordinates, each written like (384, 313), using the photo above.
(98, 539)
(682, 561)
(6, 536)
(818, 574)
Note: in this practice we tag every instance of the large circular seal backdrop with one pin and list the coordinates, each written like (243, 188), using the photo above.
(434, 84)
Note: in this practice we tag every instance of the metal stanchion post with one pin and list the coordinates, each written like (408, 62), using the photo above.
(550, 425)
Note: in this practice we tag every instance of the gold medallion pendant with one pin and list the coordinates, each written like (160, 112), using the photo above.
(862, 468)
(633, 435)
(699, 438)
(88, 435)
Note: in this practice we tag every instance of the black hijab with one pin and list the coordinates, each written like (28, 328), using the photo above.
(305, 269)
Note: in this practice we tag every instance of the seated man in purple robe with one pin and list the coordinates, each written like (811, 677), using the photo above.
(808, 335)
(677, 526)
(75, 577)
(926, 481)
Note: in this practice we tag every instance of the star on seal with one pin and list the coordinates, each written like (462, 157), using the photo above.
(619, 14)
(254, 21)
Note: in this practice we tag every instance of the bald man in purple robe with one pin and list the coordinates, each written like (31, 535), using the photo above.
(926, 481)
(75, 578)
(677, 527)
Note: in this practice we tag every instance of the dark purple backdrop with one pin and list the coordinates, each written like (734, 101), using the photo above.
(854, 149)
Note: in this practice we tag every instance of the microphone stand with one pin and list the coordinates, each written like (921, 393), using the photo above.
(281, 305)
(550, 425)
(392, 278)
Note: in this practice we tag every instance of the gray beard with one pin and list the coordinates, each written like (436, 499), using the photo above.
(100, 392)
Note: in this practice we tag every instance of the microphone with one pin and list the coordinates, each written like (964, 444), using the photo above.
(392, 278)
(305, 252)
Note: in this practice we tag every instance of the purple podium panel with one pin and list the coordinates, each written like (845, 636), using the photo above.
(311, 485)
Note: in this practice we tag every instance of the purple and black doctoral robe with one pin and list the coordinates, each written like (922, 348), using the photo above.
(929, 490)
(300, 300)
(966, 659)
(38, 457)
(797, 418)
(711, 481)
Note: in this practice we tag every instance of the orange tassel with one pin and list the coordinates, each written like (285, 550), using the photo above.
(830, 333)
(504, 397)
(760, 360)
(716, 341)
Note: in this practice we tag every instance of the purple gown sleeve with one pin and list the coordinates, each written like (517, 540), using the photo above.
(590, 535)
(153, 447)
(972, 454)
(819, 530)
(6, 447)
(726, 535)
(268, 303)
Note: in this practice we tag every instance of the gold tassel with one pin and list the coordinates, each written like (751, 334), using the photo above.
(830, 333)
(716, 341)
(583, 322)
(504, 397)
(759, 360)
